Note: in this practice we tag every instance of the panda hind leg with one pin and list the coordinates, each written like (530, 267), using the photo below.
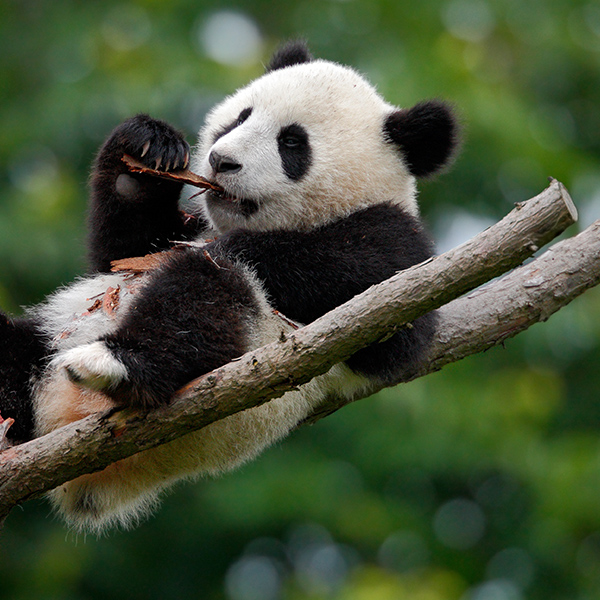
(194, 315)
(23, 354)
(395, 359)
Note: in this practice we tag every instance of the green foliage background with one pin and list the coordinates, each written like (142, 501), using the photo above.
(481, 482)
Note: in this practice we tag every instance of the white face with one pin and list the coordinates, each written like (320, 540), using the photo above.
(298, 148)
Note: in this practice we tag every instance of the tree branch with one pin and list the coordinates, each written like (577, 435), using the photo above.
(91, 444)
(503, 308)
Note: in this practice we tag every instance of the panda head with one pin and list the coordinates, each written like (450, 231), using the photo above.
(311, 141)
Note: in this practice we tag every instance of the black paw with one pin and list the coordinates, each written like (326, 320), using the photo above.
(154, 143)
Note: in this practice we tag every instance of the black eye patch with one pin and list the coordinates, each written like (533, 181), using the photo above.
(294, 150)
(243, 116)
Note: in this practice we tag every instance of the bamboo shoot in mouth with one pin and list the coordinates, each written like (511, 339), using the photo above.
(183, 175)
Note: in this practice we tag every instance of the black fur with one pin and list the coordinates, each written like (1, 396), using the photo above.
(308, 273)
(191, 318)
(295, 52)
(23, 352)
(146, 217)
(427, 135)
(243, 116)
(295, 152)
(390, 361)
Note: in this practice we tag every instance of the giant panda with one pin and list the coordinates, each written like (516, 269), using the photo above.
(320, 203)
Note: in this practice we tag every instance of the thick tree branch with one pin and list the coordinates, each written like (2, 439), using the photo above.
(503, 308)
(92, 443)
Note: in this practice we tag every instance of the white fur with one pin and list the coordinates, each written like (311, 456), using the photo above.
(68, 316)
(351, 166)
(127, 491)
(92, 366)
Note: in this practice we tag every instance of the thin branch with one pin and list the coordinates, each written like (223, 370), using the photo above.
(182, 175)
(93, 443)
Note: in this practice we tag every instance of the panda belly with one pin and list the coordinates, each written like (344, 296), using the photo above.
(126, 491)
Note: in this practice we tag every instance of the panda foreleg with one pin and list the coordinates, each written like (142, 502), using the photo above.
(308, 273)
(193, 316)
(135, 214)
(23, 353)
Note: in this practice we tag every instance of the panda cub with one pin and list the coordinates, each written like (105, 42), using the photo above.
(319, 204)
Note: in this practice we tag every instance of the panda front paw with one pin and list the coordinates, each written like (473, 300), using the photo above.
(154, 143)
(93, 366)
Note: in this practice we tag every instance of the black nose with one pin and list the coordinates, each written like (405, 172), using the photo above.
(223, 164)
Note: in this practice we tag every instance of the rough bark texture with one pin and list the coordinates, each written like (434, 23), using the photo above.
(469, 325)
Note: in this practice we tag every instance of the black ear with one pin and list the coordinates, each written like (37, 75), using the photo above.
(294, 52)
(427, 135)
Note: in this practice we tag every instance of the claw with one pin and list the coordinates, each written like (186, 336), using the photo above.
(145, 148)
(186, 160)
(158, 163)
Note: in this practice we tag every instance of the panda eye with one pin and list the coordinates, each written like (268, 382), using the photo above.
(292, 137)
(290, 141)
(243, 116)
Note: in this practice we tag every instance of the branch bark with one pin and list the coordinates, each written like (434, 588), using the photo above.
(90, 444)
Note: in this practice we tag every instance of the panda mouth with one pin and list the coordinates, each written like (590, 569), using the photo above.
(246, 206)
(226, 196)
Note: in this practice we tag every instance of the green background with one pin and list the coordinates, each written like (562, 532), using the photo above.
(481, 482)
